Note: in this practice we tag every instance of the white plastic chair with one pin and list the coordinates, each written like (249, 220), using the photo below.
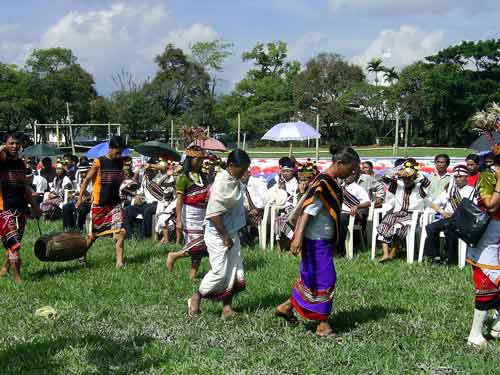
(427, 219)
(377, 212)
(349, 241)
(410, 237)
(270, 210)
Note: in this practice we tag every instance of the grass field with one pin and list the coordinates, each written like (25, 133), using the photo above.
(395, 319)
(304, 152)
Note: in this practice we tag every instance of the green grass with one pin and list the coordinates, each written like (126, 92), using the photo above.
(304, 152)
(395, 319)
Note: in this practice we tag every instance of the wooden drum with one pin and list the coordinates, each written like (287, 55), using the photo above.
(60, 247)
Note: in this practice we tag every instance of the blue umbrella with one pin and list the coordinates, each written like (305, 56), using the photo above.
(102, 149)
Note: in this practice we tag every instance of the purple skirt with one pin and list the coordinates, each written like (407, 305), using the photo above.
(312, 294)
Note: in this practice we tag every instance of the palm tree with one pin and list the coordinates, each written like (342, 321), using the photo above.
(376, 66)
(391, 75)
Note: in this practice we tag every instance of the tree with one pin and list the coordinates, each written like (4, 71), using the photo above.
(391, 75)
(56, 78)
(371, 102)
(180, 85)
(16, 105)
(211, 55)
(376, 66)
(264, 96)
(322, 87)
(269, 60)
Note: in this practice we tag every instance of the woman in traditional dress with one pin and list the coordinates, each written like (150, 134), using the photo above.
(52, 206)
(408, 192)
(192, 196)
(225, 217)
(316, 234)
(485, 257)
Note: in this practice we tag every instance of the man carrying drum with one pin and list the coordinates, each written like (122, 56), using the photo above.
(15, 195)
(107, 175)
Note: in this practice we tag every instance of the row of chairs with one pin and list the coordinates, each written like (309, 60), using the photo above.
(420, 219)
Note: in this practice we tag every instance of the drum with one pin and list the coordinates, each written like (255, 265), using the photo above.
(60, 247)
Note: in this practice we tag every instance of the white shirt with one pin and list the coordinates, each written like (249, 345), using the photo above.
(258, 192)
(415, 201)
(291, 185)
(65, 182)
(443, 200)
(320, 225)
(360, 193)
(40, 183)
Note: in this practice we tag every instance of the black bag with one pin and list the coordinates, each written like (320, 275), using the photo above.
(469, 222)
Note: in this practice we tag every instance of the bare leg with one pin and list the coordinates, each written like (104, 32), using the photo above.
(119, 248)
(165, 239)
(394, 250)
(194, 304)
(17, 271)
(90, 239)
(195, 266)
(6, 265)
(172, 258)
(385, 249)
(227, 308)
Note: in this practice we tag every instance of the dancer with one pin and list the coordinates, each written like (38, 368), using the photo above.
(15, 195)
(484, 258)
(192, 195)
(225, 217)
(316, 234)
(107, 214)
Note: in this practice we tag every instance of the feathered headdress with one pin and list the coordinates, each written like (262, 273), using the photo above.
(488, 122)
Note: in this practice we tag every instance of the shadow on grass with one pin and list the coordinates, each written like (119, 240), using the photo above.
(262, 302)
(51, 271)
(102, 355)
(144, 257)
(255, 262)
(344, 321)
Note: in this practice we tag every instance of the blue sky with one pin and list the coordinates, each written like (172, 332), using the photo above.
(110, 35)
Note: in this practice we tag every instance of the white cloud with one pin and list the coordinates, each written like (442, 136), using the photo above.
(183, 38)
(307, 46)
(402, 47)
(391, 7)
(121, 36)
(8, 28)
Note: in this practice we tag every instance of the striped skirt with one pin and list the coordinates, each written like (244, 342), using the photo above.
(312, 295)
(192, 222)
(394, 227)
(107, 220)
(11, 232)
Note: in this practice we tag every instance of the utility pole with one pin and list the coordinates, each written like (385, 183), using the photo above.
(396, 135)
(407, 125)
(317, 139)
(239, 130)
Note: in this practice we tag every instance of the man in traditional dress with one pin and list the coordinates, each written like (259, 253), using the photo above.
(15, 195)
(445, 204)
(107, 175)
